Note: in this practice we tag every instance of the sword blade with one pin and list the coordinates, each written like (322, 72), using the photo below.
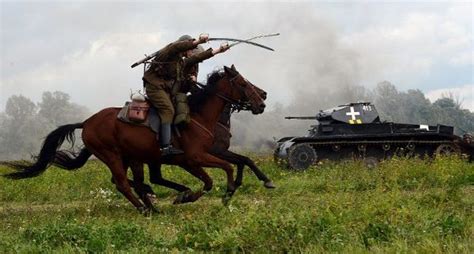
(263, 36)
(241, 41)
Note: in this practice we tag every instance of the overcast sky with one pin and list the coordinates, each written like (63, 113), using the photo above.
(85, 48)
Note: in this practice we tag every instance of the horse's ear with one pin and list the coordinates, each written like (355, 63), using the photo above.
(227, 70)
(233, 67)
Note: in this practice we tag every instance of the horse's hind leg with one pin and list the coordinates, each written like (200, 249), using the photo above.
(135, 165)
(138, 178)
(147, 188)
(115, 164)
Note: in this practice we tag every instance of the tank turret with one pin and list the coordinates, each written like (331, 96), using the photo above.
(353, 113)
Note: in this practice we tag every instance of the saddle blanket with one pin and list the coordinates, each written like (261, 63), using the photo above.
(152, 121)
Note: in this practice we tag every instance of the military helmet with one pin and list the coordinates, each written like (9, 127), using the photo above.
(185, 37)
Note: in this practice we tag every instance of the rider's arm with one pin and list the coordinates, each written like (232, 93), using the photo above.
(197, 58)
(181, 46)
(178, 47)
(223, 48)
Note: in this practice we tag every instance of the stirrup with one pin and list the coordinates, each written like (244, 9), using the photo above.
(170, 150)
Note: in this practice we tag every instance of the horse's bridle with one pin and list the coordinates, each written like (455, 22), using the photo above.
(237, 105)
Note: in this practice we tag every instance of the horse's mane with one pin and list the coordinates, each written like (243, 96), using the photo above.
(197, 98)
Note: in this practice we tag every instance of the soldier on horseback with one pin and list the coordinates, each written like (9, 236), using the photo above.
(169, 73)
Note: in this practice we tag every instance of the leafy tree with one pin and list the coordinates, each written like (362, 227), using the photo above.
(24, 124)
(387, 101)
(446, 103)
(56, 107)
(20, 108)
(18, 116)
(448, 112)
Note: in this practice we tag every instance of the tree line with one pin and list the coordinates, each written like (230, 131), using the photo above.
(413, 107)
(24, 124)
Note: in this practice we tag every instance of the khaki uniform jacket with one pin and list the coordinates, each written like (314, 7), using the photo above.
(169, 68)
(167, 73)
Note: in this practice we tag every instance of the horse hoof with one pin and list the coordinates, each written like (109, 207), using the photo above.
(226, 198)
(153, 209)
(179, 199)
(269, 185)
(183, 197)
(145, 211)
(151, 197)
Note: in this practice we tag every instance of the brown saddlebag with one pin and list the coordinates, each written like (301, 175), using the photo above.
(138, 111)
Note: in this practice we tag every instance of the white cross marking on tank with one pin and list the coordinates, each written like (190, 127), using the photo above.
(353, 114)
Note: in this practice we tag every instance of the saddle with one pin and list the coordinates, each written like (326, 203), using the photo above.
(140, 112)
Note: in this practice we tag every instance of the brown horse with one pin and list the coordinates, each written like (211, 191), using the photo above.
(220, 149)
(117, 144)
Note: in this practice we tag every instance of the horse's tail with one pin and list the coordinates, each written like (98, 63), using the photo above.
(47, 154)
(70, 161)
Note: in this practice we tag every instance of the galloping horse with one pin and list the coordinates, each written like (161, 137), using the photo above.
(117, 143)
(220, 149)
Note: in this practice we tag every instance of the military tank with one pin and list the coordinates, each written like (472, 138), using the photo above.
(355, 131)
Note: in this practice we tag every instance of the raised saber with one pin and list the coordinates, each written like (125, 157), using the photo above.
(241, 41)
(256, 37)
(248, 41)
(237, 41)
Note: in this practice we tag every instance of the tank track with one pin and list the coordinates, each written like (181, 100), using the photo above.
(382, 142)
(371, 151)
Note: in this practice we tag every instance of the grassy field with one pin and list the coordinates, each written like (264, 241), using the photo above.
(400, 206)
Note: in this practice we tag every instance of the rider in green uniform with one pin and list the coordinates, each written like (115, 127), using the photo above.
(163, 79)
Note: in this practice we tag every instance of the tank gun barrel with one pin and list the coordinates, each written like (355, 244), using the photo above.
(301, 117)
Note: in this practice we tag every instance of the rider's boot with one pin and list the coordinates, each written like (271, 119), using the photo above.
(165, 141)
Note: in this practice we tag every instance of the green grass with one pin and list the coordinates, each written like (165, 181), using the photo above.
(401, 206)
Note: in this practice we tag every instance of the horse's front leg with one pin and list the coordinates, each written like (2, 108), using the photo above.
(241, 161)
(140, 187)
(190, 196)
(209, 160)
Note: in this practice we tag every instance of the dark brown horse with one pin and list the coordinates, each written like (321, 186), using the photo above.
(117, 144)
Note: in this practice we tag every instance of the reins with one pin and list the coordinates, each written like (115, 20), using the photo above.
(236, 105)
(202, 127)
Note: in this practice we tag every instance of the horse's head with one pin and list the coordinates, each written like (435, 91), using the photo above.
(262, 93)
(241, 92)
